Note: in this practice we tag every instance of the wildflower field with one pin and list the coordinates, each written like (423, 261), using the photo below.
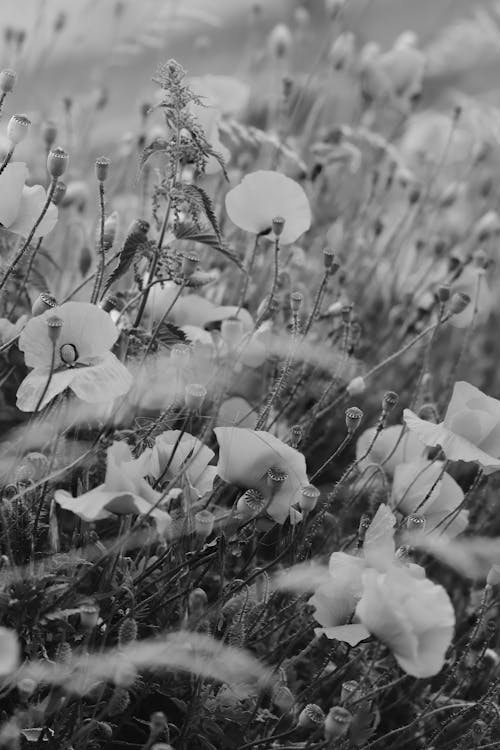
(249, 395)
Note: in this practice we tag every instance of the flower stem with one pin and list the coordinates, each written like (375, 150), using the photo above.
(102, 255)
(6, 160)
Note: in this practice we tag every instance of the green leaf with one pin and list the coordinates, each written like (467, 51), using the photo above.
(169, 335)
(199, 196)
(191, 233)
(135, 243)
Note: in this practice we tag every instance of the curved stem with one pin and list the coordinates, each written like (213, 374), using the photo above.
(102, 255)
(6, 160)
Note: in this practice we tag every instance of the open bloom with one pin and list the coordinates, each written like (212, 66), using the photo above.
(124, 491)
(265, 195)
(335, 600)
(411, 485)
(229, 94)
(191, 459)
(81, 357)
(20, 206)
(412, 616)
(470, 430)
(393, 446)
(245, 458)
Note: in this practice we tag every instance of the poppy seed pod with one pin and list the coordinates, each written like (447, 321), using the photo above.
(275, 478)
(194, 396)
(309, 497)
(57, 162)
(353, 417)
(204, 522)
(109, 303)
(337, 722)
(49, 133)
(251, 503)
(458, 302)
(7, 80)
(348, 690)
(278, 224)
(43, 303)
(311, 717)
(415, 523)
(54, 325)
(18, 128)
(102, 165)
(444, 293)
(189, 265)
(389, 401)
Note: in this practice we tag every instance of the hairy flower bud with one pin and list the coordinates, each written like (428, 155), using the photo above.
(119, 701)
(17, 129)
(197, 601)
(57, 162)
(127, 632)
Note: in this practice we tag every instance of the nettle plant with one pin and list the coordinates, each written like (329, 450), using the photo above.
(181, 565)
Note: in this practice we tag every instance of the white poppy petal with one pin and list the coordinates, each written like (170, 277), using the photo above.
(31, 389)
(102, 382)
(11, 187)
(30, 207)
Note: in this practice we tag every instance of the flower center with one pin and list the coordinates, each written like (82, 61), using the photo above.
(68, 354)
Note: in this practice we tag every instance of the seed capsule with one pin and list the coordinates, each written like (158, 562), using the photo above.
(18, 128)
(57, 162)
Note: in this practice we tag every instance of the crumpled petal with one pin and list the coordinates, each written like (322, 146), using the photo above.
(33, 386)
(102, 382)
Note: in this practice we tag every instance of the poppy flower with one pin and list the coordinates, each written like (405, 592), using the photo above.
(228, 94)
(20, 206)
(82, 360)
(414, 481)
(470, 431)
(124, 491)
(191, 309)
(246, 456)
(191, 459)
(336, 599)
(393, 446)
(412, 616)
(264, 195)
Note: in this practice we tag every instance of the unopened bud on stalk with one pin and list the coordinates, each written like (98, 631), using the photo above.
(54, 325)
(353, 417)
(458, 302)
(356, 387)
(17, 129)
(189, 265)
(57, 162)
(204, 522)
(127, 632)
(444, 292)
(59, 192)
(89, 615)
(275, 478)
(231, 331)
(311, 717)
(296, 300)
(283, 698)
(250, 504)
(7, 80)
(43, 303)
(337, 722)
(309, 496)
(194, 396)
(389, 401)
(197, 601)
(278, 224)
(102, 165)
(49, 134)
(280, 41)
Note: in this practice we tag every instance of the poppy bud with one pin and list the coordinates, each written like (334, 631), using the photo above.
(389, 401)
(278, 224)
(18, 128)
(459, 302)
(49, 133)
(311, 716)
(283, 698)
(57, 162)
(250, 504)
(415, 523)
(337, 722)
(189, 265)
(89, 615)
(309, 497)
(197, 601)
(356, 387)
(43, 303)
(353, 417)
(194, 396)
(7, 80)
(59, 192)
(204, 523)
(275, 478)
(280, 41)
(54, 325)
(444, 293)
(348, 690)
(231, 332)
(102, 168)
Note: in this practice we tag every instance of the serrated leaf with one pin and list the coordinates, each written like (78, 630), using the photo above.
(169, 335)
(134, 243)
(191, 233)
(201, 198)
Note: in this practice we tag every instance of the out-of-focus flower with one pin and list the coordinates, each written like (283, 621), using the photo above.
(472, 282)
(82, 360)
(393, 446)
(190, 460)
(341, 54)
(470, 431)
(412, 616)
(20, 206)
(245, 458)
(192, 309)
(229, 94)
(237, 412)
(414, 481)
(264, 195)
(280, 41)
(9, 651)
(124, 491)
(404, 66)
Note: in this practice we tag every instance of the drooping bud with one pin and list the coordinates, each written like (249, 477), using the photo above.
(18, 129)
(7, 80)
(204, 522)
(194, 396)
(458, 302)
(54, 324)
(309, 496)
(43, 303)
(311, 717)
(337, 722)
(356, 387)
(353, 417)
(57, 162)
(250, 504)
(102, 165)
(119, 701)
